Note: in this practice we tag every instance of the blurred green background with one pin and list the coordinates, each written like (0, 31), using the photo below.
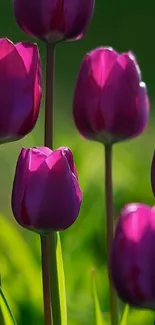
(122, 25)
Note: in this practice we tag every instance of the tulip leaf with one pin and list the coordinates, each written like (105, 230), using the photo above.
(2, 322)
(99, 320)
(6, 315)
(124, 319)
(58, 293)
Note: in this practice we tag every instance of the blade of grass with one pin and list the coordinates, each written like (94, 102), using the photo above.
(7, 310)
(124, 319)
(58, 292)
(99, 320)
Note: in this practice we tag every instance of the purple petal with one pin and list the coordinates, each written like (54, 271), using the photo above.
(19, 95)
(30, 55)
(69, 155)
(19, 184)
(87, 98)
(52, 194)
(45, 150)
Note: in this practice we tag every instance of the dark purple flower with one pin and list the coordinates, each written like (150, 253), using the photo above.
(20, 89)
(54, 20)
(46, 195)
(133, 256)
(110, 101)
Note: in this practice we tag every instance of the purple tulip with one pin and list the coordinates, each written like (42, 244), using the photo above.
(133, 256)
(46, 195)
(20, 89)
(54, 20)
(110, 101)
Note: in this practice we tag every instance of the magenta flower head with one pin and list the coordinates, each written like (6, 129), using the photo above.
(110, 101)
(46, 195)
(153, 174)
(54, 20)
(133, 256)
(20, 89)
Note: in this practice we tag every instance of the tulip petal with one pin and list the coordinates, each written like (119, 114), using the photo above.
(77, 17)
(45, 150)
(55, 203)
(87, 97)
(30, 55)
(19, 93)
(36, 185)
(119, 98)
(37, 157)
(21, 176)
(66, 199)
(68, 154)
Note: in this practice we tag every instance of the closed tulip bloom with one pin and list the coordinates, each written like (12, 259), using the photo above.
(46, 195)
(133, 256)
(20, 89)
(110, 100)
(54, 20)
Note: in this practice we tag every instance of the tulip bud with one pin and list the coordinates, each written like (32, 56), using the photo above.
(46, 195)
(20, 89)
(133, 256)
(110, 101)
(54, 20)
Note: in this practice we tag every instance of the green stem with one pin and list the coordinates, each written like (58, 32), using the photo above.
(48, 141)
(110, 227)
(7, 306)
(50, 62)
(46, 281)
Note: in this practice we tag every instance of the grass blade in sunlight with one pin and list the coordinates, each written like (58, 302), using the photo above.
(59, 308)
(124, 319)
(99, 320)
(6, 315)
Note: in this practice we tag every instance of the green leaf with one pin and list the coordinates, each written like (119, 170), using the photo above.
(124, 319)
(2, 322)
(6, 315)
(58, 292)
(99, 320)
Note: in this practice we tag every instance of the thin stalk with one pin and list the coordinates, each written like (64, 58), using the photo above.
(110, 227)
(46, 281)
(48, 141)
(50, 62)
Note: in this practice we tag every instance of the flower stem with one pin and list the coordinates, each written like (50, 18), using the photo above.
(46, 281)
(110, 227)
(48, 141)
(50, 61)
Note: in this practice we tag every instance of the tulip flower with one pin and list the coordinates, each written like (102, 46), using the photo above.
(133, 256)
(110, 101)
(20, 89)
(46, 195)
(54, 20)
